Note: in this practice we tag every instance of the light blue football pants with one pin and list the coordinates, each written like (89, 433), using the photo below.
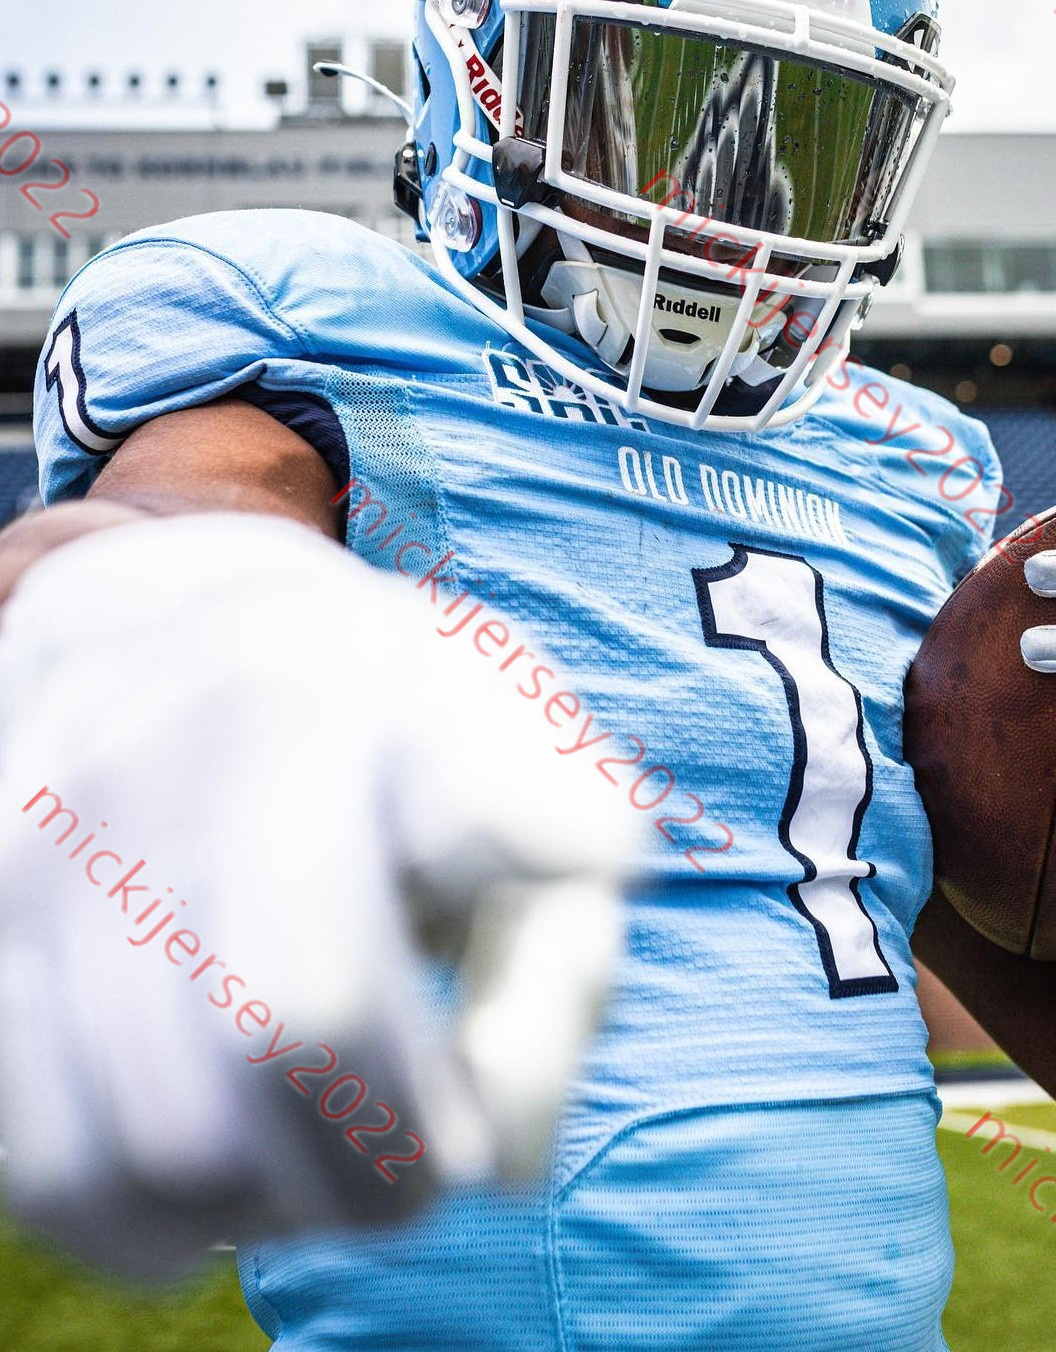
(792, 1228)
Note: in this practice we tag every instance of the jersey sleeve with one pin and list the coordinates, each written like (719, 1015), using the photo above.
(179, 315)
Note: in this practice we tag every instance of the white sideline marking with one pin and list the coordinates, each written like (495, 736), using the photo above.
(1028, 1136)
(992, 1094)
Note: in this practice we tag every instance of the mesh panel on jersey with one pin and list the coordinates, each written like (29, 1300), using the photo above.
(391, 462)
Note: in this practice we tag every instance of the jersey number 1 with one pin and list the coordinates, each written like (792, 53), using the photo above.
(773, 605)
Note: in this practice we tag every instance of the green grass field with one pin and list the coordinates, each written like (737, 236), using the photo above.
(50, 1305)
(1002, 1296)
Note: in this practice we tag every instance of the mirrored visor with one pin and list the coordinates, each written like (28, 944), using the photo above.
(742, 136)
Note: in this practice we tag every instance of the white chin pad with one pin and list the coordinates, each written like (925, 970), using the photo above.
(687, 332)
(1040, 572)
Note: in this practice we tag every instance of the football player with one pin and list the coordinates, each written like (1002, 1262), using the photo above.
(615, 409)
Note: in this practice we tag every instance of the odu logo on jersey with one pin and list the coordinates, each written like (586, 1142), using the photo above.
(530, 386)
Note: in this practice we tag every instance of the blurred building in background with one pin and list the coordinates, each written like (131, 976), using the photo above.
(332, 150)
(972, 311)
(80, 190)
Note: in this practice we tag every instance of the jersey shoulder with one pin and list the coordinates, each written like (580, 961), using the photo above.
(939, 465)
(326, 283)
(181, 314)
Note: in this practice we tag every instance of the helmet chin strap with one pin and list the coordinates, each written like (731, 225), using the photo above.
(600, 303)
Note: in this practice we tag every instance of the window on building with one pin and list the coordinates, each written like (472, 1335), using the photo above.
(962, 267)
(1030, 267)
(60, 262)
(388, 65)
(27, 258)
(954, 267)
(324, 93)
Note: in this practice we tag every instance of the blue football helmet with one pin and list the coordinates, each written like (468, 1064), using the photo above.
(704, 193)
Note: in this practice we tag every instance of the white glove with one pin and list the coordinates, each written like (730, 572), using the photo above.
(318, 790)
(1038, 645)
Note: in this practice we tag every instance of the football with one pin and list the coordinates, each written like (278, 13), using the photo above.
(980, 734)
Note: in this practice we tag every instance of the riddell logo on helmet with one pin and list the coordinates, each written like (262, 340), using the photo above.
(691, 310)
(484, 83)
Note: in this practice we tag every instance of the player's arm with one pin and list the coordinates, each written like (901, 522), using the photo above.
(1014, 998)
(226, 456)
(262, 717)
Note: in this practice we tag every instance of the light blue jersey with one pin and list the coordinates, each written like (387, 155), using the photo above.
(737, 614)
